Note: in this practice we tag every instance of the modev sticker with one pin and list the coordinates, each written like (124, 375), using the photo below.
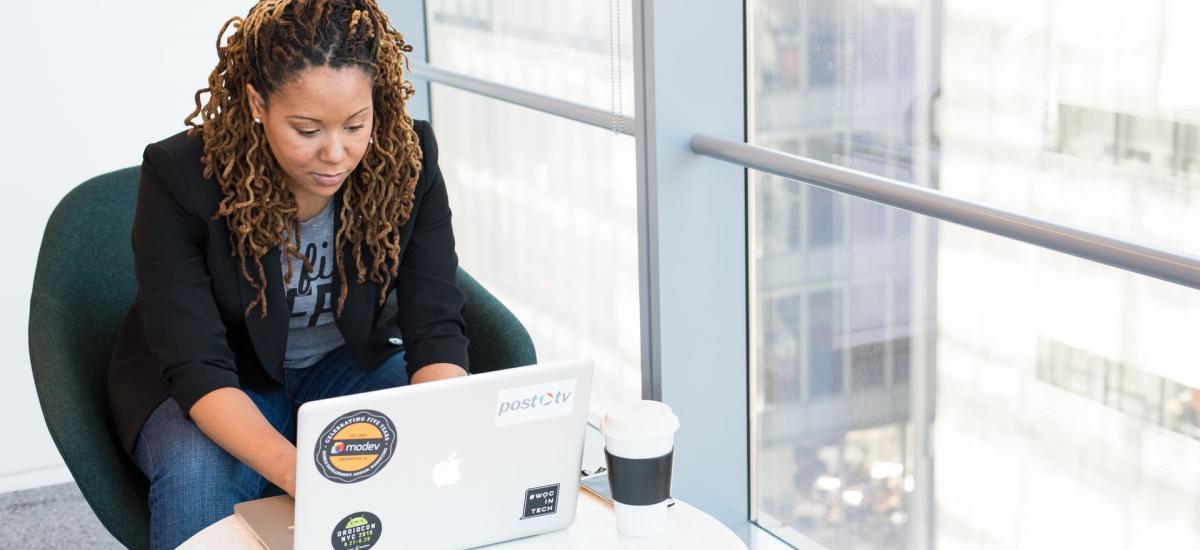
(355, 446)
(535, 402)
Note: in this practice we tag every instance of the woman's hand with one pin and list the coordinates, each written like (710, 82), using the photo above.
(233, 421)
(437, 371)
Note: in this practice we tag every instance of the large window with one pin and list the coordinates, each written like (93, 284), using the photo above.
(920, 384)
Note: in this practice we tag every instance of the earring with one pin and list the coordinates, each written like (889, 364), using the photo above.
(371, 139)
(258, 120)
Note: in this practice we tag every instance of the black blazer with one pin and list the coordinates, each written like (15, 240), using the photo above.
(186, 334)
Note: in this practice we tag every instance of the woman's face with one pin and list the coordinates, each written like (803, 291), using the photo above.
(319, 127)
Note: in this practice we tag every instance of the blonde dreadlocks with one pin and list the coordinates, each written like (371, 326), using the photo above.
(275, 42)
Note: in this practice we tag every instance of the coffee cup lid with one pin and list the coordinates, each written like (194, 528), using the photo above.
(640, 420)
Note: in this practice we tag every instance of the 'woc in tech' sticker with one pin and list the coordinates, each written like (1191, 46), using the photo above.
(541, 501)
(355, 446)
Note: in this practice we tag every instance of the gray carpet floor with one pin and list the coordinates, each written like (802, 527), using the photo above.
(51, 517)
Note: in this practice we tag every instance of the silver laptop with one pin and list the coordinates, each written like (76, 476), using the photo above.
(457, 463)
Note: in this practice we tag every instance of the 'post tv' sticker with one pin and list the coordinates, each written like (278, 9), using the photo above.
(541, 501)
(535, 402)
(357, 531)
(355, 446)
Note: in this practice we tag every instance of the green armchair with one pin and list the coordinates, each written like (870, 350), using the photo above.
(83, 288)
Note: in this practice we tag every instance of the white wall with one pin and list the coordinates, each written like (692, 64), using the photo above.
(85, 86)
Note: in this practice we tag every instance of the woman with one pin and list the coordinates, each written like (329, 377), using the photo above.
(294, 244)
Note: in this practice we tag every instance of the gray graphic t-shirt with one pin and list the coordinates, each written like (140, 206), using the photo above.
(312, 332)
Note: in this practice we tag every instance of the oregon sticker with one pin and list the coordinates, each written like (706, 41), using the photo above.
(357, 531)
(355, 446)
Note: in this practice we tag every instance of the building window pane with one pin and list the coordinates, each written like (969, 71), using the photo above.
(783, 322)
(868, 335)
(1088, 133)
(824, 343)
(1145, 141)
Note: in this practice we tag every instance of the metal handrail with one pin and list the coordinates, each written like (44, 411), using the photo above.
(1147, 260)
(546, 104)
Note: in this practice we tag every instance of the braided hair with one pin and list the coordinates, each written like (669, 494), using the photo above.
(276, 41)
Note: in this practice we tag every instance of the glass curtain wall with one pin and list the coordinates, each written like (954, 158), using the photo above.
(1039, 400)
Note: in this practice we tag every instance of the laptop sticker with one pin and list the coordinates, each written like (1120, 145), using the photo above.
(355, 446)
(357, 531)
(541, 501)
(535, 402)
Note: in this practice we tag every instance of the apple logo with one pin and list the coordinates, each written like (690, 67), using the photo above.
(446, 472)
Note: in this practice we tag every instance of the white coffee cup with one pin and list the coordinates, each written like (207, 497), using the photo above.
(639, 442)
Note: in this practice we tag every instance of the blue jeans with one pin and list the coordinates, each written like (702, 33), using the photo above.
(195, 483)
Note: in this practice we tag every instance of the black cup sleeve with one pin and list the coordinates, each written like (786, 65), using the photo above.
(639, 481)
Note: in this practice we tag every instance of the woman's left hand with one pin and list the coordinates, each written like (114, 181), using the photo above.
(437, 371)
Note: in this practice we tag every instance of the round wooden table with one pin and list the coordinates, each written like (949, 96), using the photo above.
(595, 527)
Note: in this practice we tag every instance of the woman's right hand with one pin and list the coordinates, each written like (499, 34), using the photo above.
(231, 420)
